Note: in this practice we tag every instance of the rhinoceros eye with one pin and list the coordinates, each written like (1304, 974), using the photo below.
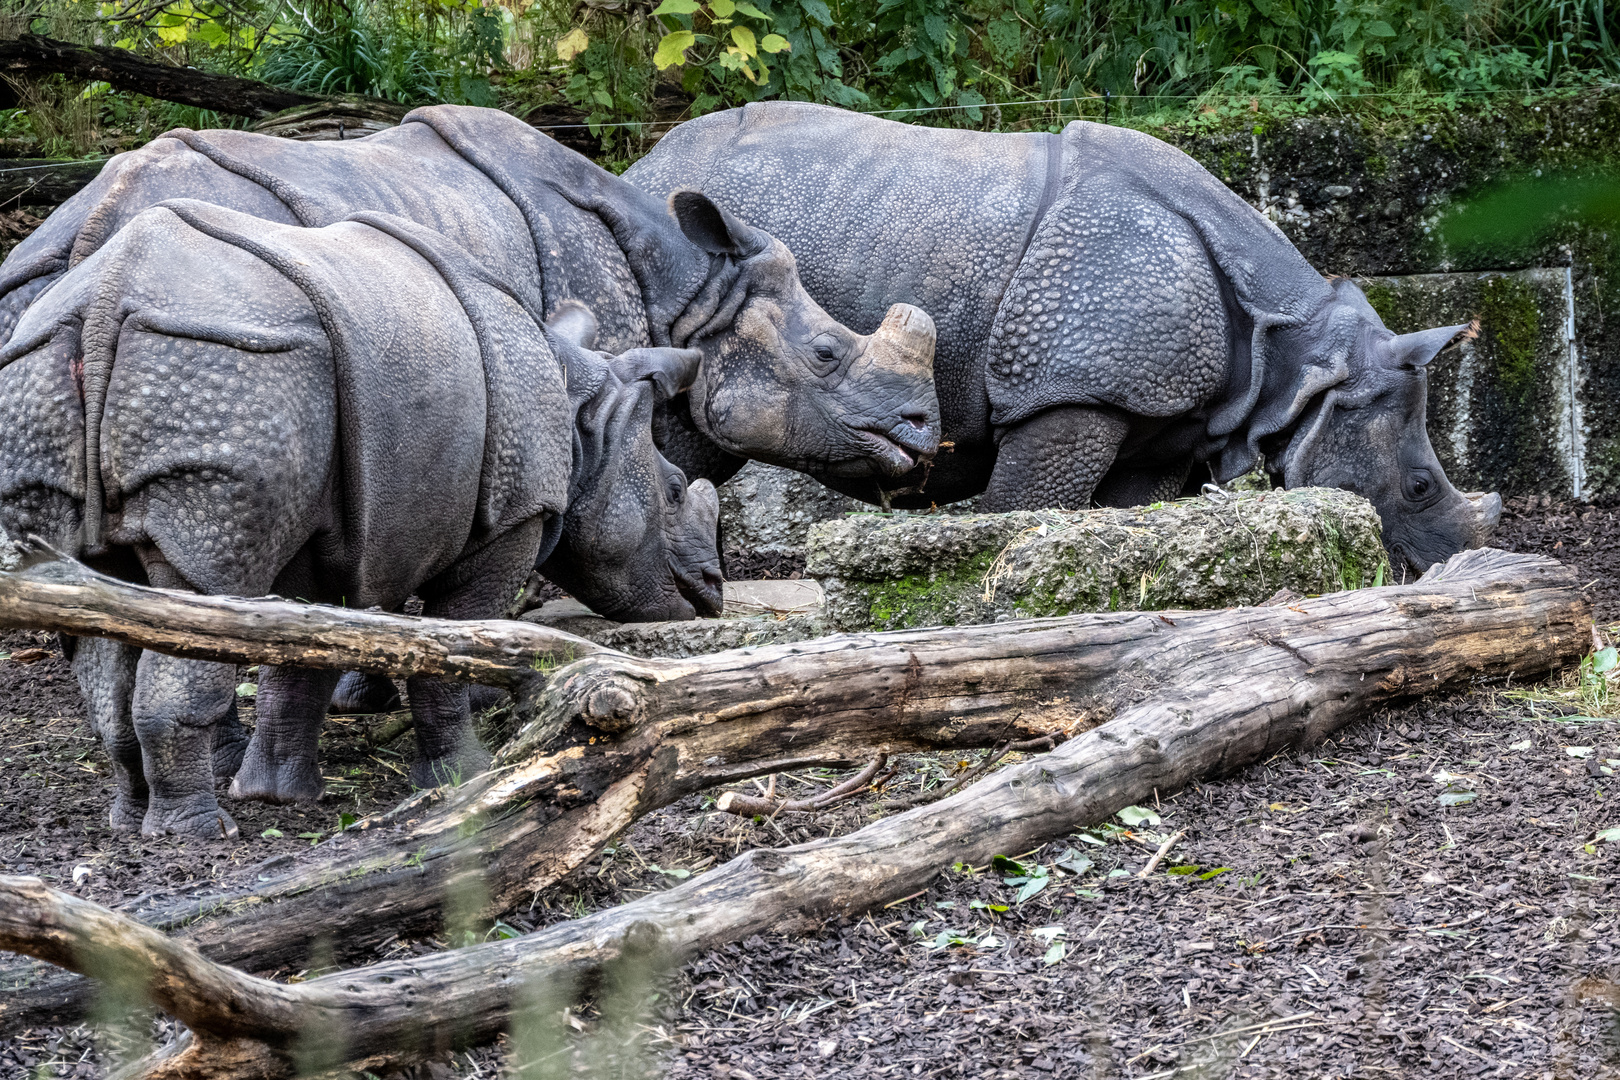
(828, 350)
(1418, 484)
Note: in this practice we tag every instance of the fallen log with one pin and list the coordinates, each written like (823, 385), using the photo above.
(612, 737)
(39, 182)
(1199, 693)
(32, 55)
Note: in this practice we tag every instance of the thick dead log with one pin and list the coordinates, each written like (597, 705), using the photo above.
(39, 182)
(613, 737)
(33, 55)
(52, 593)
(1210, 692)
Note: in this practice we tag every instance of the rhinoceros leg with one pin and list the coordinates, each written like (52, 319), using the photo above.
(1133, 486)
(175, 707)
(230, 744)
(282, 763)
(1054, 460)
(448, 751)
(359, 692)
(106, 673)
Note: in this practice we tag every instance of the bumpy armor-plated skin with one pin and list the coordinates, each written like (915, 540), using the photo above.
(352, 414)
(779, 380)
(1109, 313)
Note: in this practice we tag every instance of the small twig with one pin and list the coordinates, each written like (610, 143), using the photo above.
(1044, 742)
(1164, 849)
(744, 805)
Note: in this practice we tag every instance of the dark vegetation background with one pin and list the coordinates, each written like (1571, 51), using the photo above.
(627, 68)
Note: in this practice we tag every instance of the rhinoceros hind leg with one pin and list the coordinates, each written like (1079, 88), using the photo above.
(1127, 485)
(105, 670)
(448, 751)
(230, 743)
(360, 693)
(283, 763)
(175, 707)
(1055, 459)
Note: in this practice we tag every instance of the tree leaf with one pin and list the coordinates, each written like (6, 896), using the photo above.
(246, 689)
(1578, 751)
(774, 43)
(572, 44)
(1056, 953)
(1610, 836)
(672, 50)
(744, 39)
(1457, 798)
(1380, 28)
(751, 11)
(723, 9)
(1138, 815)
(678, 7)
(272, 834)
(1003, 865)
(1031, 887)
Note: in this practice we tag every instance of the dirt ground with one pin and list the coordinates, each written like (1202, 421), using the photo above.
(1346, 911)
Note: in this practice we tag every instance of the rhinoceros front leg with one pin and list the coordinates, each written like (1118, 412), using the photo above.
(175, 707)
(105, 670)
(1054, 460)
(448, 751)
(282, 764)
(1127, 485)
(360, 693)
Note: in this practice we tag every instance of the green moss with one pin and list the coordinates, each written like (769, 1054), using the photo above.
(1511, 324)
(1382, 299)
(918, 598)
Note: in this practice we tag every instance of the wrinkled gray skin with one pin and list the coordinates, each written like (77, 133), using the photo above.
(779, 379)
(1110, 315)
(216, 403)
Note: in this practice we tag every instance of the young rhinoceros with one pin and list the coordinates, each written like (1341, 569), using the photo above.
(218, 403)
(779, 379)
(1109, 314)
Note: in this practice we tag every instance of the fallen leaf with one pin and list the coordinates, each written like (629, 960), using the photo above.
(31, 656)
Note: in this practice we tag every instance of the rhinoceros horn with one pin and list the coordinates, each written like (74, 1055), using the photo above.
(903, 344)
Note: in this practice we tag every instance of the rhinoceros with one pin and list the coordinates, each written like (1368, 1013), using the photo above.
(352, 414)
(1109, 315)
(779, 379)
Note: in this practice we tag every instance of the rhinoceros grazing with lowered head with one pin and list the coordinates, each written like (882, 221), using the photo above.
(778, 378)
(351, 414)
(1109, 315)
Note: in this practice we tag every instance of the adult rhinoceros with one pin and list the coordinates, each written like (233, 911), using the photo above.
(355, 413)
(1109, 314)
(779, 379)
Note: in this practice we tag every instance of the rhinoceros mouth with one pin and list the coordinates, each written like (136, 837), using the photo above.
(892, 458)
(705, 597)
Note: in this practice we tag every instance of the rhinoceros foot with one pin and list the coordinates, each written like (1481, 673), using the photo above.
(128, 813)
(195, 815)
(230, 743)
(467, 761)
(291, 779)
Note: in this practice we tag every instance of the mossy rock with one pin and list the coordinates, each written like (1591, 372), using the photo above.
(884, 572)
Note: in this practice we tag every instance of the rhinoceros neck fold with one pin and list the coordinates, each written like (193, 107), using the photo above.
(551, 184)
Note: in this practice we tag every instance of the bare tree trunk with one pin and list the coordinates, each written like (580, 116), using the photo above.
(1183, 694)
(33, 55)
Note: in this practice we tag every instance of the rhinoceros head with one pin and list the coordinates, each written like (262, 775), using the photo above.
(784, 382)
(1367, 433)
(638, 543)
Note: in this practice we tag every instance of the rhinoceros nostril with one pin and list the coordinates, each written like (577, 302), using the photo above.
(918, 421)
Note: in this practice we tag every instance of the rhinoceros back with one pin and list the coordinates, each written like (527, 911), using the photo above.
(542, 246)
(876, 212)
(364, 389)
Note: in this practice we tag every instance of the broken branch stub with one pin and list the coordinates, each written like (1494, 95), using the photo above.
(1217, 691)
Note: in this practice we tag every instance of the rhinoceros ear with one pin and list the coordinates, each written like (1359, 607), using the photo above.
(1415, 350)
(713, 229)
(669, 370)
(574, 323)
